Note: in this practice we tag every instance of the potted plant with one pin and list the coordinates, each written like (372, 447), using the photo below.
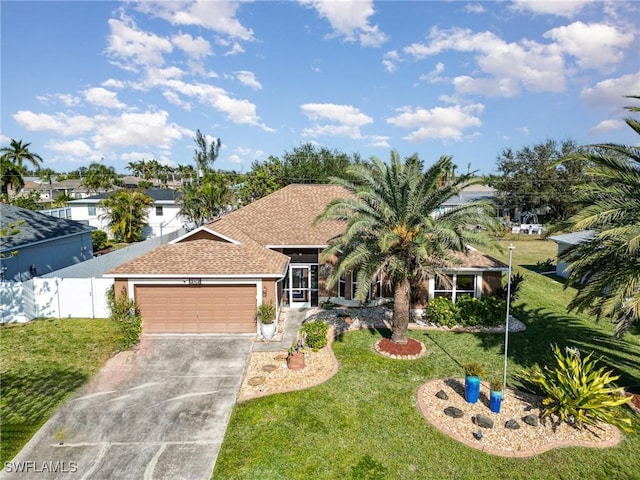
(295, 359)
(472, 373)
(495, 395)
(266, 315)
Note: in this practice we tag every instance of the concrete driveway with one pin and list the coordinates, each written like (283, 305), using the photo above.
(157, 413)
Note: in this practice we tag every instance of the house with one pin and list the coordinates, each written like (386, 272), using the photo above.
(40, 243)
(212, 279)
(162, 217)
(566, 241)
(472, 193)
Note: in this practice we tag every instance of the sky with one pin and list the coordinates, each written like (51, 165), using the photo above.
(118, 82)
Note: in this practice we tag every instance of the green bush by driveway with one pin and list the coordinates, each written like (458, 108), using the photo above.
(41, 363)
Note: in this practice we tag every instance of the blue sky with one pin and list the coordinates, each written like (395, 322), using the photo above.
(87, 81)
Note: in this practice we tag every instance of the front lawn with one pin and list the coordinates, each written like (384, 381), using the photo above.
(41, 363)
(363, 422)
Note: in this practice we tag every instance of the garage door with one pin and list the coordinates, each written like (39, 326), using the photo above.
(197, 308)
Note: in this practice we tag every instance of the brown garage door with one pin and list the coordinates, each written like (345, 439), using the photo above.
(197, 308)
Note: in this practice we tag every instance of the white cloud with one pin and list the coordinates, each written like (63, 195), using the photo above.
(345, 120)
(379, 141)
(524, 130)
(434, 75)
(607, 125)
(130, 44)
(102, 97)
(551, 7)
(113, 83)
(240, 111)
(196, 48)
(174, 99)
(438, 122)
(137, 129)
(234, 50)
(510, 66)
(76, 148)
(59, 123)
(595, 45)
(4, 138)
(66, 99)
(219, 15)
(611, 93)
(350, 19)
(248, 79)
(474, 8)
(390, 61)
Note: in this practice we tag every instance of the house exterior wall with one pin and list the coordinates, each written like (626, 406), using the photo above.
(157, 225)
(47, 257)
(562, 267)
(491, 281)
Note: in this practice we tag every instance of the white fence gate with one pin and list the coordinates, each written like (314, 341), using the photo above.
(54, 297)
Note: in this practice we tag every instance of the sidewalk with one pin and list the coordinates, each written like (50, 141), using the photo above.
(292, 324)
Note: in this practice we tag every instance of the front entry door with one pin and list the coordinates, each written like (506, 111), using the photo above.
(300, 281)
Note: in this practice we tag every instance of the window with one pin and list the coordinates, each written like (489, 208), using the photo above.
(158, 211)
(458, 285)
(91, 210)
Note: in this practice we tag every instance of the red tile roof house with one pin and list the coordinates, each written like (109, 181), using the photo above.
(211, 279)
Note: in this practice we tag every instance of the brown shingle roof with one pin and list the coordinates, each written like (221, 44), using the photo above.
(208, 255)
(476, 259)
(286, 217)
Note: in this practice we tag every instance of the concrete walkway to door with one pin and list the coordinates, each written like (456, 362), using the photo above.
(158, 413)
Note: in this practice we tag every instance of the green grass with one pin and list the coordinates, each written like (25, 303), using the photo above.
(364, 420)
(41, 363)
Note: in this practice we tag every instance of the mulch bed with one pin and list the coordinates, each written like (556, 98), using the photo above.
(411, 350)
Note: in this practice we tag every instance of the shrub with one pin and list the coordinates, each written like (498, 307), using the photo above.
(443, 311)
(578, 392)
(316, 334)
(473, 369)
(99, 240)
(516, 283)
(126, 313)
(471, 311)
(495, 310)
(266, 312)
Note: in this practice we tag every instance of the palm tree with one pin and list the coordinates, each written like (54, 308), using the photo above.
(392, 229)
(12, 168)
(18, 152)
(99, 176)
(11, 175)
(126, 211)
(201, 203)
(206, 153)
(48, 175)
(607, 267)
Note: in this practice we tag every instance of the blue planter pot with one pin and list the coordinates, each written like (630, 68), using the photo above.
(495, 401)
(471, 389)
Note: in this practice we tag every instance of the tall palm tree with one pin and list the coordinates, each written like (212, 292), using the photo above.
(206, 153)
(47, 174)
(99, 176)
(607, 267)
(18, 152)
(126, 211)
(392, 230)
(12, 168)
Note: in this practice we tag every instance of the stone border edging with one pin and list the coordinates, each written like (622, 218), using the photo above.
(502, 453)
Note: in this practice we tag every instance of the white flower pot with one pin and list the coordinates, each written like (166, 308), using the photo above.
(268, 330)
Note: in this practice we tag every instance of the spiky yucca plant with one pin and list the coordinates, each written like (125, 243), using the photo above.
(577, 391)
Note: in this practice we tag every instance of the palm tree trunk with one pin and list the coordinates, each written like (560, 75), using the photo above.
(400, 311)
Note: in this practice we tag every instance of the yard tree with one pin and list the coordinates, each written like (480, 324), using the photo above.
(530, 180)
(206, 201)
(126, 212)
(391, 229)
(12, 165)
(99, 176)
(206, 153)
(606, 269)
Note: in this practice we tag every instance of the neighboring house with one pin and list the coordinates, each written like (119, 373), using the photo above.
(162, 217)
(42, 243)
(212, 279)
(71, 188)
(564, 242)
(472, 193)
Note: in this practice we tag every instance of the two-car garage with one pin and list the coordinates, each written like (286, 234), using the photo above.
(197, 308)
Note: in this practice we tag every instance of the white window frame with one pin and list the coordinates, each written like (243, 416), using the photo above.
(477, 283)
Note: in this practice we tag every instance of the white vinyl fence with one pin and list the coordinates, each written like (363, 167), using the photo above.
(54, 298)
